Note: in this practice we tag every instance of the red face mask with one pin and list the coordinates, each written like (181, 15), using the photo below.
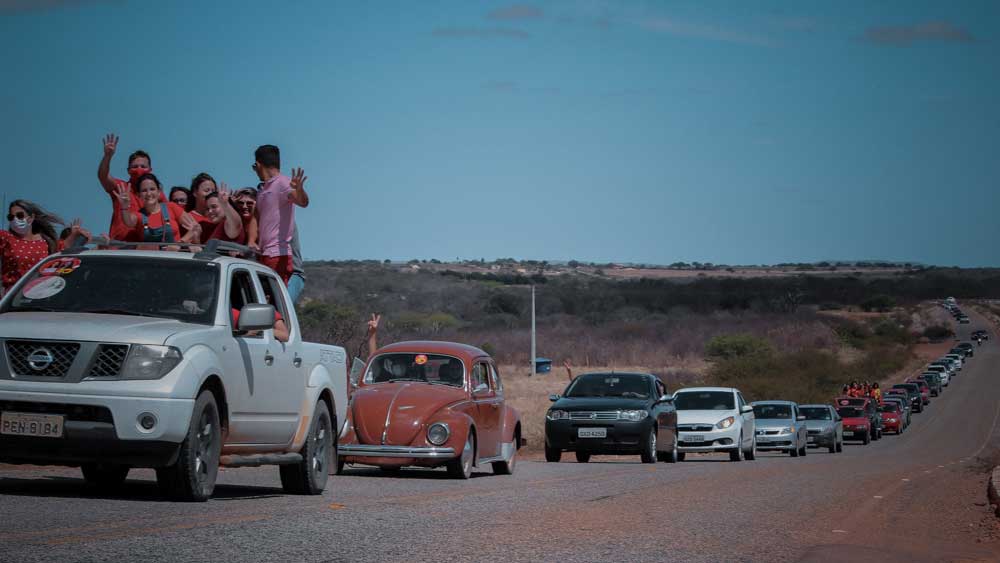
(135, 173)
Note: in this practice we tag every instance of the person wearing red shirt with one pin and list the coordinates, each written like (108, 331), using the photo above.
(139, 163)
(31, 236)
(202, 186)
(224, 222)
(245, 202)
(281, 333)
(157, 221)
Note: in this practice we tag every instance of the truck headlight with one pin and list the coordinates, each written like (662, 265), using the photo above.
(438, 433)
(634, 416)
(725, 423)
(557, 415)
(150, 362)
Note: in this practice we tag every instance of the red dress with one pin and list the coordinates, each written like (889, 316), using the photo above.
(17, 256)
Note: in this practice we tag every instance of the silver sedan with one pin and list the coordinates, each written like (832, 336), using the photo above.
(826, 429)
(780, 427)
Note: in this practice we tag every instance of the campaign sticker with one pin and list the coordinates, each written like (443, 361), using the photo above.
(43, 288)
(420, 360)
(59, 267)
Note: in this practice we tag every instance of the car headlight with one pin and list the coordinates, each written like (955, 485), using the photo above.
(634, 416)
(438, 433)
(893, 419)
(150, 362)
(725, 422)
(557, 415)
(788, 430)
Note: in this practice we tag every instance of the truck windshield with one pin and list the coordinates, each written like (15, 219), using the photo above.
(184, 290)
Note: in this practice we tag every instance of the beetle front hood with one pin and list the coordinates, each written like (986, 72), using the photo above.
(90, 327)
(398, 411)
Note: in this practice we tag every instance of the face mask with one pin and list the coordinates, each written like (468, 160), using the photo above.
(135, 173)
(20, 226)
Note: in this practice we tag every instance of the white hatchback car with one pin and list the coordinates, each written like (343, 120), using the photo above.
(715, 419)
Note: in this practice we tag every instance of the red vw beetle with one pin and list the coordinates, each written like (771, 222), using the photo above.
(430, 404)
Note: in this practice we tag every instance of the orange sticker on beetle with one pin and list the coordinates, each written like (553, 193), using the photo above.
(420, 360)
(59, 267)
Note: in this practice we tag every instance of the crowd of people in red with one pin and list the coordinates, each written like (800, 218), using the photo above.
(261, 217)
(863, 389)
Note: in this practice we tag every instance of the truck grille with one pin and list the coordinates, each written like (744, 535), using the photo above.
(41, 359)
(593, 415)
(108, 360)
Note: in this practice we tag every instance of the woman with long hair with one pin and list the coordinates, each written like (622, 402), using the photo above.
(29, 238)
(157, 221)
(182, 196)
(202, 185)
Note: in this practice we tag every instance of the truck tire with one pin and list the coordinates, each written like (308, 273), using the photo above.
(192, 477)
(308, 477)
(107, 477)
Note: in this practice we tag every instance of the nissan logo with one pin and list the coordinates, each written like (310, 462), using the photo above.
(40, 359)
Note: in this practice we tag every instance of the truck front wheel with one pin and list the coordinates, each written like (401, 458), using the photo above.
(192, 477)
(308, 477)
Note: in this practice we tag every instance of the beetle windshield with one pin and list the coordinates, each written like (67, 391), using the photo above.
(631, 386)
(814, 413)
(184, 290)
(704, 401)
(772, 411)
(427, 368)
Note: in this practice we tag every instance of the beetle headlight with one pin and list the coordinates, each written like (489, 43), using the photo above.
(557, 415)
(726, 422)
(438, 433)
(150, 362)
(634, 416)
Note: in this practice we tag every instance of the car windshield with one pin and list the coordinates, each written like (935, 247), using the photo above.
(629, 386)
(850, 412)
(851, 401)
(907, 387)
(184, 290)
(427, 368)
(815, 413)
(704, 401)
(772, 411)
(888, 408)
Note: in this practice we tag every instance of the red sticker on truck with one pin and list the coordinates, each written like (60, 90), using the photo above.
(59, 267)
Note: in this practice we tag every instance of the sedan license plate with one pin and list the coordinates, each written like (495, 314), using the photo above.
(591, 432)
(694, 438)
(24, 424)
(846, 433)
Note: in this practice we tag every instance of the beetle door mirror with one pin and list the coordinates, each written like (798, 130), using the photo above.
(553, 397)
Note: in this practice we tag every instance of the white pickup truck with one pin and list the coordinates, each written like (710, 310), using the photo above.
(114, 359)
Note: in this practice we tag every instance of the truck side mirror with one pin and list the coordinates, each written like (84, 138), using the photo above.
(256, 316)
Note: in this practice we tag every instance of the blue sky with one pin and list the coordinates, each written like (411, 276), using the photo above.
(725, 132)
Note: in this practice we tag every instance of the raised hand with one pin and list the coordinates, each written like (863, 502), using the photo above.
(110, 144)
(123, 195)
(298, 179)
(373, 324)
(223, 191)
(190, 224)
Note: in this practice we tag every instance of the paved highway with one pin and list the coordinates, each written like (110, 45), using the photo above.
(916, 497)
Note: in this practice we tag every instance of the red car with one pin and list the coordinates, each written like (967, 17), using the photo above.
(892, 417)
(870, 408)
(925, 390)
(856, 424)
(431, 404)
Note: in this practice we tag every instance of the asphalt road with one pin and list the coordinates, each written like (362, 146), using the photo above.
(916, 497)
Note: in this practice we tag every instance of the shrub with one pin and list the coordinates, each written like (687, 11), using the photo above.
(726, 347)
(938, 332)
(880, 303)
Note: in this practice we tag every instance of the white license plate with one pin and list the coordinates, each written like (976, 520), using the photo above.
(846, 433)
(23, 424)
(591, 432)
(694, 438)
(811, 438)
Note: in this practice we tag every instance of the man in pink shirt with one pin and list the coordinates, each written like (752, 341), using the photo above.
(276, 201)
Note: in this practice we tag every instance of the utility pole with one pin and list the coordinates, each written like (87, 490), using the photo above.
(532, 372)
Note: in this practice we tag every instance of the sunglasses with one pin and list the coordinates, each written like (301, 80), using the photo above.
(245, 203)
(18, 215)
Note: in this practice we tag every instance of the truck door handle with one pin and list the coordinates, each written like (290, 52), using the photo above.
(268, 359)
(297, 362)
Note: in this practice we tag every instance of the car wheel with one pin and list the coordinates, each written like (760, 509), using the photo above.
(840, 446)
(737, 454)
(308, 477)
(507, 467)
(867, 439)
(552, 455)
(794, 452)
(192, 477)
(648, 454)
(752, 452)
(833, 447)
(802, 452)
(673, 456)
(461, 467)
(582, 457)
(104, 476)
(681, 456)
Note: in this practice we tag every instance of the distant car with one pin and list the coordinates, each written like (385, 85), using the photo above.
(963, 320)
(934, 382)
(901, 399)
(980, 334)
(612, 413)
(857, 425)
(912, 391)
(892, 417)
(780, 427)
(964, 348)
(431, 404)
(942, 367)
(825, 427)
(715, 419)
(958, 358)
(868, 406)
(925, 389)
